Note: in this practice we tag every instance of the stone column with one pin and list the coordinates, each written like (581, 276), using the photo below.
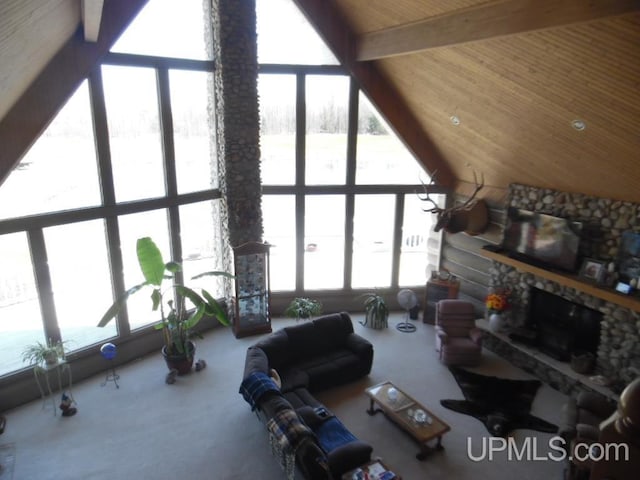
(238, 128)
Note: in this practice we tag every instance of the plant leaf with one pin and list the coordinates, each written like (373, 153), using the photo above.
(194, 318)
(190, 294)
(118, 304)
(213, 273)
(215, 309)
(150, 260)
(156, 298)
(173, 267)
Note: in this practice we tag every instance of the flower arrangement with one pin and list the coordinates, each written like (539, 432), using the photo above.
(497, 302)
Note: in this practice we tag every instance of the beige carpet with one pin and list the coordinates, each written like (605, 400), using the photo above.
(200, 428)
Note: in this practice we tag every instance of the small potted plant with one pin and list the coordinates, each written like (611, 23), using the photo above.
(304, 308)
(176, 320)
(38, 354)
(376, 311)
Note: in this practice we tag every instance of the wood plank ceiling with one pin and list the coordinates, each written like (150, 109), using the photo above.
(515, 95)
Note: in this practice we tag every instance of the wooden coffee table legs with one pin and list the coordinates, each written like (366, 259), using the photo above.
(425, 449)
(372, 410)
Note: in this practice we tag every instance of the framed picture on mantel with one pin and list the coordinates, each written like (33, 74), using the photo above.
(592, 270)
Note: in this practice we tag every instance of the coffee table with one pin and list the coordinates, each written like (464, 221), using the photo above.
(409, 414)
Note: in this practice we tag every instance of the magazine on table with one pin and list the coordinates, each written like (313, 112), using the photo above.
(375, 471)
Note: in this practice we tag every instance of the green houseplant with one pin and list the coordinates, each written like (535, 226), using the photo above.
(304, 308)
(176, 320)
(376, 311)
(39, 353)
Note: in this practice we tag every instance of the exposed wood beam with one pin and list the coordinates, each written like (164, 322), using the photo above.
(336, 33)
(37, 106)
(91, 18)
(487, 20)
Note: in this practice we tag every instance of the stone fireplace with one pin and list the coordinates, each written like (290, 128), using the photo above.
(618, 348)
(560, 328)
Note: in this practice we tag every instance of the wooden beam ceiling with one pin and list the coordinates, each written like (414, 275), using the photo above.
(33, 111)
(336, 33)
(487, 20)
(91, 18)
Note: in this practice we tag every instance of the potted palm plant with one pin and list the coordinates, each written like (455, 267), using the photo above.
(176, 319)
(376, 311)
(304, 308)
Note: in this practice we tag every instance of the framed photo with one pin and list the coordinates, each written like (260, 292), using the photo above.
(593, 270)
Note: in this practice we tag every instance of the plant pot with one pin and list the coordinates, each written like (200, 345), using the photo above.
(583, 362)
(376, 320)
(180, 362)
(51, 359)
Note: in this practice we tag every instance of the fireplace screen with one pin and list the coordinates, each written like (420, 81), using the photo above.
(562, 327)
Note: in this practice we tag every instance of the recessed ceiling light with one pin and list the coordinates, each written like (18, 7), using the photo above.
(455, 120)
(579, 125)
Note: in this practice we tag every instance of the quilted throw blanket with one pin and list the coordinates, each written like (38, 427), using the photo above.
(286, 434)
(255, 386)
(288, 429)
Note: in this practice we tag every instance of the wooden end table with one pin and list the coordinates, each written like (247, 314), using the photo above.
(407, 413)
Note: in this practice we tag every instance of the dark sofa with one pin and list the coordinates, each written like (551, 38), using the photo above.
(310, 357)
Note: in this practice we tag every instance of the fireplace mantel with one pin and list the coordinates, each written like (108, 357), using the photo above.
(567, 280)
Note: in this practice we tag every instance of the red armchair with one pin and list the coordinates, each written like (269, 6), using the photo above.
(458, 341)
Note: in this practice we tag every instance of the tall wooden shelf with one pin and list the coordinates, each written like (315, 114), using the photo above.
(567, 280)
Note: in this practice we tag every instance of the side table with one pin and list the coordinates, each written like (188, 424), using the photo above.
(43, 374)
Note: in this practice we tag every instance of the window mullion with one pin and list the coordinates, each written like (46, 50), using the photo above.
(105, 168)
(38, 251)
(397, 240)
(169, 162)
(352, 139)
(301, 127)
(101, 134)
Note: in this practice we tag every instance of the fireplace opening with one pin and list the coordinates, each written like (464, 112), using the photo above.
(561, 328)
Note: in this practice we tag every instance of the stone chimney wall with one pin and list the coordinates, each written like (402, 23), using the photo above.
(604, 221)
(238, 126)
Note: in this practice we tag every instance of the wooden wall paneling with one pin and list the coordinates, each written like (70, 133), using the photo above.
(31, 32)
(475, 294)
(517, 98)
(467, 243)
(479, 22)
(371, 15)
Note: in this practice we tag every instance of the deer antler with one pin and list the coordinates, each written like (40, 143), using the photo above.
(435, 209)
(477, 188)
(446, 215)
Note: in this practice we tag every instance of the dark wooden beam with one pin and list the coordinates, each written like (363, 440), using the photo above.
(336, 33)
(487, 20)
(33, 111)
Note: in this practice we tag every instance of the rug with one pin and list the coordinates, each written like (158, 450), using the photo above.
(502, 405)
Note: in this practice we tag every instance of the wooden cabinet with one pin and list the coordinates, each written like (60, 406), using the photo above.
(438, 289)
(252, 312)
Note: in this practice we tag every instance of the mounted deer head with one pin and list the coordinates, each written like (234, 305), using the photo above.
(470, 217)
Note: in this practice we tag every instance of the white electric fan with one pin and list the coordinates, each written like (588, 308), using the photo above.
(407, 300)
